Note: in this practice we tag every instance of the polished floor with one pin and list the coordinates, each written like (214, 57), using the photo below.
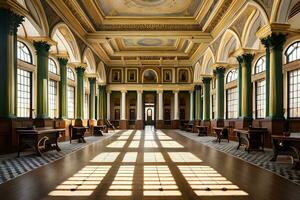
(150, 164)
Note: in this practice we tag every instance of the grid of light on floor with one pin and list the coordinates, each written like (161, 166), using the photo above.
(164, 137)
(149, 137)
(83, 183)
(122, 183)
(134, 144)
(153, 157)
(117, 144)
(136, 137)
(130, 157)
(170, 144)
(106, 157)
(150, 144)
(205, 181)
(183, 157)
(158, 181)
(123, 137)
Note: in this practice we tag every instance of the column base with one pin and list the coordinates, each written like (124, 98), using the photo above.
(159, 124)
(175, 124)
(123, 124)
(139, 124)
(44, 122)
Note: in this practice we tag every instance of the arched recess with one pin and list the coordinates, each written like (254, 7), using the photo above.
(208, 61)
(256, 20)
(89, 59)
(66, 42)
(197, 72)
(35, 23)
(101, 72)
(230, 42)
(281, 10)
(150, 76)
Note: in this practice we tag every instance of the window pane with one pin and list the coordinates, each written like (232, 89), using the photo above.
(23, 93)
(214, 106)
(23, 52)
(71, 102)
(232, 75)
(260, 99)
(294, 93)
(232, 103)
(260, 65)
(293, 52)
(86, 106)
(52, 66)
(70, 74)
(52, 95)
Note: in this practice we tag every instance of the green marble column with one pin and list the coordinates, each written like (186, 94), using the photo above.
(246, 63)
(63, 88)
(80, 92)
(206, 102)
(198, 102)
(101, 100)
(240, 91)
(42, 52)
(9, 23)
(265, 42)
(276, 42)
(219, 71)
(92, 110)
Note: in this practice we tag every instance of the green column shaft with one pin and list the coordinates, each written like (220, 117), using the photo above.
(63, 88)
(240, 91)
(206, 101)
(101, 102)
(80, 92)
(220, 92)
(198, 102)
(201, 106)
(9, 22)
(92, 97)
(42, 51)
(266, 43)
(276, 77)
(246, 86)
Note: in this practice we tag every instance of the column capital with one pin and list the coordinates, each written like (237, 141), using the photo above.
(140, 91)
(124, 91)
(92, 80)
(191, 91)
(160, 91)
(62, 61)
(108, 91)
(41, 47)
(176, 91)
(245, 58)
(219, 70)
(275, 40)
(12, 19)
(206, 80)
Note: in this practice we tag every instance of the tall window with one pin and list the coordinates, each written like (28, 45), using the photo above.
(52, 96)
(52, 66)
(86, 106)
(70, 74)
(24, 96)
(232, 75)
(260, 99)
(294, 93)
(293, 52)
(260, 65)
(71, 102)
(232, 103)
(214, 109)
(23, 52)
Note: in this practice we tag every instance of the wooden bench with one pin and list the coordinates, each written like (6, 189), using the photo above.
(77, 133)
(252, 138)
(188, 126)
(287, 144)
(202, 130)
(109, 125)
(98, 130)
(221, 133)
(40, 139)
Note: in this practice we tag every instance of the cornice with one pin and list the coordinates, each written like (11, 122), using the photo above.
(273, 28)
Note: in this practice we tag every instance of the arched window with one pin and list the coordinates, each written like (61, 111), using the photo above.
(293, 52)
(52, 66)
(23, 52)
(232, 75)
(70, 74)
(260, 65)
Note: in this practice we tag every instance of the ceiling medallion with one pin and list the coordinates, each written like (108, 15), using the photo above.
(149, 2)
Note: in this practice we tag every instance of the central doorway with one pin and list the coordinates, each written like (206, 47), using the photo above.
(149, 108)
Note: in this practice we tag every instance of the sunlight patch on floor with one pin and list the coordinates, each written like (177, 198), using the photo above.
(83, 183)
(183, 157)
(153, 157)
(205, 181)
(122, 183)
(171, 144)
(150, 144)
(130, 157)
(158, 181)
(106, 157)
(134, 144)
(117, 144)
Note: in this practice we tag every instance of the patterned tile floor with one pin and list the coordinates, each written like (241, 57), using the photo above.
(12, 167)
(281, 167)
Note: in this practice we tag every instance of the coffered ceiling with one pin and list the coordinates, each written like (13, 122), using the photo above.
(143, 32)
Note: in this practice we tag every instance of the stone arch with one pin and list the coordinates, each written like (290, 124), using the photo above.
(281, 10)
(66, 42)
(152, 72)
(197, 72)
(208, 61)
(229, 43)
(101, 72)
(89, 59)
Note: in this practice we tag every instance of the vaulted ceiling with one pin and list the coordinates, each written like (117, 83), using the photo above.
(144, 32)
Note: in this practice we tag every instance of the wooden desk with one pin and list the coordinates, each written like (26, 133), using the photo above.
(98, 130)
(253, 138)
(77, 132)
(40, 139)
(221, 133)
(287, 145)
(202, 130)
